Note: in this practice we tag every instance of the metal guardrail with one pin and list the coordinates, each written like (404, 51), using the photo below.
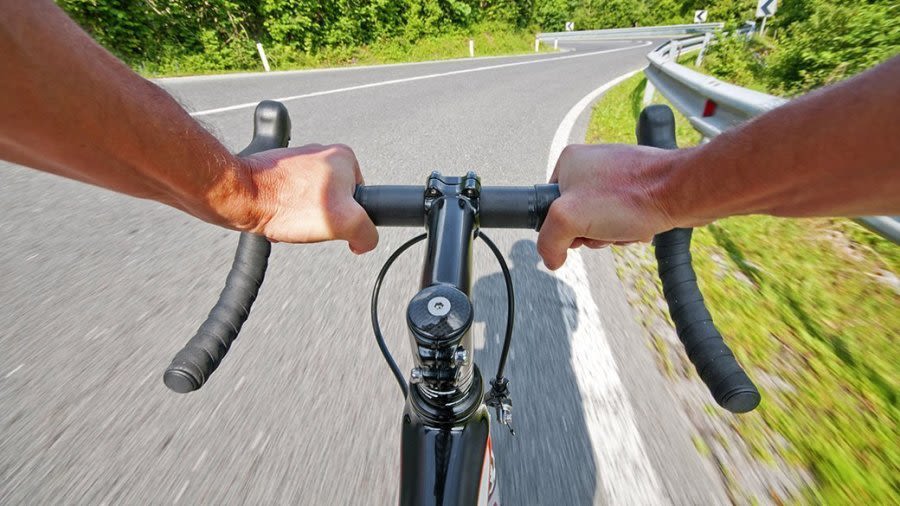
(712, 106)
(632, 33)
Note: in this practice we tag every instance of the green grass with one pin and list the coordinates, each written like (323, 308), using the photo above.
(489, 41)
(808, 303)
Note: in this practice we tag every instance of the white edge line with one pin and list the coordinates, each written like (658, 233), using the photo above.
(376, 84)
(623, 466)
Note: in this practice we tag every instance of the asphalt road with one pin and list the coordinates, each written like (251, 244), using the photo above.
(98, 291)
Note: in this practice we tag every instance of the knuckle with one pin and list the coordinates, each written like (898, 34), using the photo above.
(571, 151)
(562, 217)
(342, 149)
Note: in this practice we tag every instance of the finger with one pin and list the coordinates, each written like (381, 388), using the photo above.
(577, 243)
(557, 234)
(362, 236)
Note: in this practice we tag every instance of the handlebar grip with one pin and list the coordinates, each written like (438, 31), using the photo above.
(715, 363)
(727, 382)
(193, 365)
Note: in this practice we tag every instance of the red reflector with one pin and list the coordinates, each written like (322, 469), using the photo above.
(709, 108)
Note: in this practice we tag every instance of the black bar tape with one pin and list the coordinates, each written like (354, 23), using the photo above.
(715, 363)
(193, 365)
(729, 384)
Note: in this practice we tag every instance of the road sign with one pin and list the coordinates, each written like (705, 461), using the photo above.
(570, 25)
(766, 8)
(700, 16)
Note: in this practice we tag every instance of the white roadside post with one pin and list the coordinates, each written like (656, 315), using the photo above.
(262, 56)
(555, 43)
(707, 37)
(471, 48)
(537, 45)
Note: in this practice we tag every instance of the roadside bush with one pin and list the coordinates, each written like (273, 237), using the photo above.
(836, 41)
(737, 61)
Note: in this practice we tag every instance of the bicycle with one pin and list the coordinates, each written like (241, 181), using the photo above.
(446, 450)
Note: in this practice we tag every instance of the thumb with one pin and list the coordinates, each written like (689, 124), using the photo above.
(362, 235)
(555, 237)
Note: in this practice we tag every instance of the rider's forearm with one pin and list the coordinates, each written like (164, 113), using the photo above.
(60, 88)
(834, 152)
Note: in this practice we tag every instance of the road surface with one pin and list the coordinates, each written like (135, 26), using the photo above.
(99, 291)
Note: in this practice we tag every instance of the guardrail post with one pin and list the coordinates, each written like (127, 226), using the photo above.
(537, 45)
(471, 48)
(707, 38)
(555, 43)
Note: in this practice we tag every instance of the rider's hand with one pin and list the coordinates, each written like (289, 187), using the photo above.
(305, 194)
(609, 194)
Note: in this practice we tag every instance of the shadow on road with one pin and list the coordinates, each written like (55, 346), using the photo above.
(549, 460)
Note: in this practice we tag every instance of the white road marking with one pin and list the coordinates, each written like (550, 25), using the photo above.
(249, 105)
(10, 373)
(623, 466)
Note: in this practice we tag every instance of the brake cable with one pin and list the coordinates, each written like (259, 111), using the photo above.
(379, 337)
(498, 397)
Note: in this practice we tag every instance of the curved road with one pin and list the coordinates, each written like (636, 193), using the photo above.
(98, 291)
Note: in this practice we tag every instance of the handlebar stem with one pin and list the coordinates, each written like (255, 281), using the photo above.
(451, 204)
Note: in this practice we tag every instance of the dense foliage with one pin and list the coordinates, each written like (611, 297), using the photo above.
(817, 41)
(220, 34)
(811, 43)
